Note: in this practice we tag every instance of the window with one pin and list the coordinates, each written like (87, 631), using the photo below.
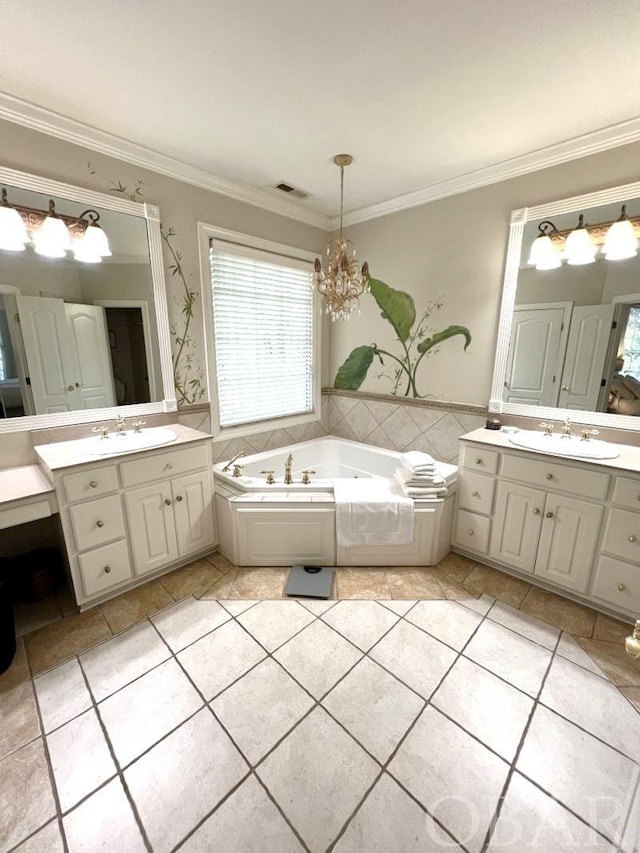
(264, 332)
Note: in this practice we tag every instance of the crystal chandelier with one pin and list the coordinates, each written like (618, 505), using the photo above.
(342, 280)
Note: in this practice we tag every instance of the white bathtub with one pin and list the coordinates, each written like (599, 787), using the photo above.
(281, 525)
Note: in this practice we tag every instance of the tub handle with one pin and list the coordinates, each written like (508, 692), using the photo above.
(306, 479)
(270, 472)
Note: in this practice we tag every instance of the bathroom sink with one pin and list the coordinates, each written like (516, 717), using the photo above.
(558, 445)
(128, 441)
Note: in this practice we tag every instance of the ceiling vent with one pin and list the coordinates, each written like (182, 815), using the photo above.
(284, 187)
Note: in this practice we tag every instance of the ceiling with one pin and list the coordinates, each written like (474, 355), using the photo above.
(253, 92)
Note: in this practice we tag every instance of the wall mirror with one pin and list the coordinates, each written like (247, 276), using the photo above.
(569, 333)
(83, 335)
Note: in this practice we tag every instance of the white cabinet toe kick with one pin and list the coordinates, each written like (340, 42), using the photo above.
(569, 525)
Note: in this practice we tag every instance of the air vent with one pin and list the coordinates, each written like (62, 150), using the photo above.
(284, 187)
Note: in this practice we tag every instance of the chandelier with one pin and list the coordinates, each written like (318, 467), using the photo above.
(52, 234)
(342, 280)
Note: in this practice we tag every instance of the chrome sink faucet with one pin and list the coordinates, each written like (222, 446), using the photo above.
(231, 461)
(287, 470)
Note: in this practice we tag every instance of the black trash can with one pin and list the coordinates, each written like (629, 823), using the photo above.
(7, 621)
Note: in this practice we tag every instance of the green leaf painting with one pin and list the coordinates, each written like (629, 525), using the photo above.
(398, 308)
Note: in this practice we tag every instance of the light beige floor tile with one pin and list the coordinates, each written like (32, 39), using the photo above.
(219, 658)
(195, 579)
(400, 607)
(579, 771)
(19, 718)
(564, 614)
(362, 622)
(32, 615)
(480, 605)
(527, 626)
(410, 829)
(47, 840)
(133, 606)
(611, 630)
(258, 583)
(514, 658)
(593, 704)
(62, 694)
(462, 794)
(115, 663)
(272, 623)
(451, 588)
(446, 621)
(228, 829)
(317, 657)
(259, 709)
(64, 639)
(189, 620)
(414, 583)
(374, 707)
(26, 798)
(361, 583)
(146, 710)
(457, 566)
(614, 661)
(342, 773)
(497, 584)
(532, 821)
(105, 821)
(485, 706)
(569, 649)
(221, 563)
(416, 658)
(204, 764)
(19, 669)
(80, 758)
(222, 588)
(236, 607)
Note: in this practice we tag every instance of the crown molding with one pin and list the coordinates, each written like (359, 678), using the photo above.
(45, 121)
(553, 155)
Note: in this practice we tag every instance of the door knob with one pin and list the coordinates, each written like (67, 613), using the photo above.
(167, 501)
(566, 388)
(549, 515)
(99, 523)
(179, 498)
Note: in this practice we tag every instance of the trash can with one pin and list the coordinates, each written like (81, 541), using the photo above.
(7, 621)
(36, 574)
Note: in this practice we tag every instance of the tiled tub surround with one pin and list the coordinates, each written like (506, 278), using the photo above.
(273, 525)
(569, 524)
(352, 726)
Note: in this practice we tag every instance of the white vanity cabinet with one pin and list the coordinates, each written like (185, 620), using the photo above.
(569, 524)
(135, 515)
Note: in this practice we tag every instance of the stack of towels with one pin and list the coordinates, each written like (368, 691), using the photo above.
(420, 477)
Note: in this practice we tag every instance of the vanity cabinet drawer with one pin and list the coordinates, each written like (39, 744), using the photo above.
(622, 535)
(478, 459)
(555, 477)
(475, 492)
(90, 483)
(472, 531)
(618, 584)
(161, 465)
(105, 567)
(96, 522)
(626, 492)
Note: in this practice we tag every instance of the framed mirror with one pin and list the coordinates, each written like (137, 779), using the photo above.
(569, 332)
(84, 330)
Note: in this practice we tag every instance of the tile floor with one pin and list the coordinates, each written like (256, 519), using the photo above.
(183, 715)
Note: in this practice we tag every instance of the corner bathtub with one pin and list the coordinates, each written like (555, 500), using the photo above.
(281, 525)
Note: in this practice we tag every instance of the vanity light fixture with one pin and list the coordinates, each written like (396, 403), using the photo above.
(620, 241)
(52, 234)
(544, 254)
(342, 280)
(578, 248)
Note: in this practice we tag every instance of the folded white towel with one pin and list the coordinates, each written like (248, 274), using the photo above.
(436, 490)
(372, 511)
(404, 475)
(418, 461)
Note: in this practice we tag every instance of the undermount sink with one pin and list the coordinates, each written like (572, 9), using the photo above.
(558, 445)
(128, 441)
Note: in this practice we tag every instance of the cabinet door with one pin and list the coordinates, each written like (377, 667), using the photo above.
(516, 527)
(151, 527)
(193, 510)
(567, 543)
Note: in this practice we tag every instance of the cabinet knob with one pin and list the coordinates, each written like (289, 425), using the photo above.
(179, 498)
(475, 494)
(167, 501)
(536, 511)
(478, 461)
(94, 485)
(168, 466)
(71, 387)
(549, 476)
(549, 514)
(621, 586)
(107, 569)
(632, 538)
(99, 523)
(470, 532)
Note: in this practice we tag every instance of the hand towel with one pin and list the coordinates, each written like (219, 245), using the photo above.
(437, 490)
(404, 475)
(372, 511)
(418, 461)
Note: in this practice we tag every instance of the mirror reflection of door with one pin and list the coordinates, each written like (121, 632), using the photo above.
(584, 375)
(128, 354)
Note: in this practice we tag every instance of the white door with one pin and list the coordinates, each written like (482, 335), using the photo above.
(584, 366)
(193, 512)
(50, 359)
(533, 364)
(567, 541)
(516, 526)
(88, 329)
(152, 527)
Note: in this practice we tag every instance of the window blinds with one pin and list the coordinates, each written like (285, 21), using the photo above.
(263, 333)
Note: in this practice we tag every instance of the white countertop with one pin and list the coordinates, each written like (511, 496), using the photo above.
(628, 460)
(69, 454)
(27, 481)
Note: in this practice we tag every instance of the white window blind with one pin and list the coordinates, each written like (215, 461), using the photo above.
(263, 333)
